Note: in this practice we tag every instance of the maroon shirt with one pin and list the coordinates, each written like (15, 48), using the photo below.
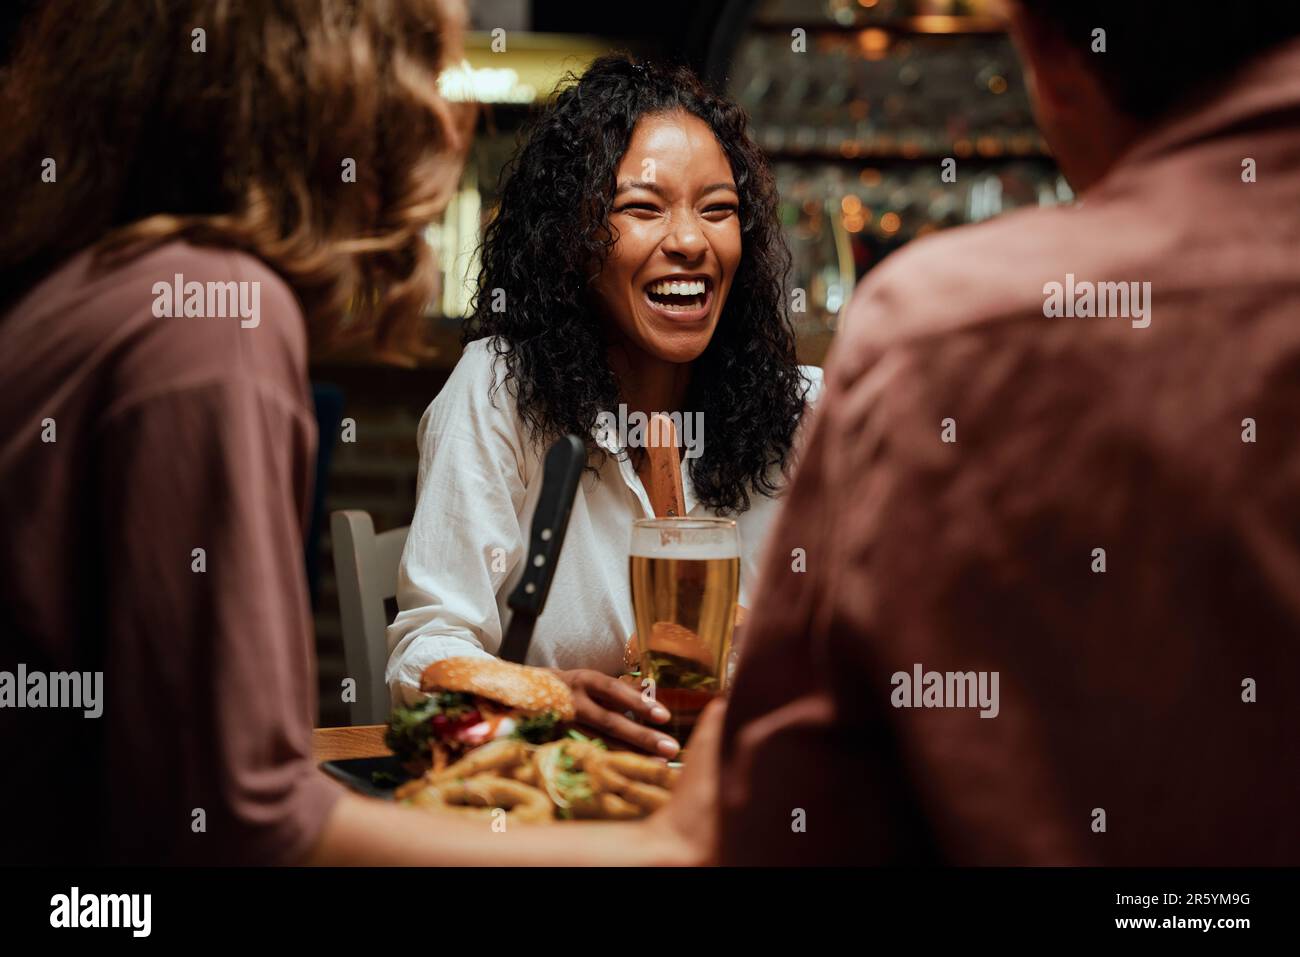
(172, 434)
(1119, 691)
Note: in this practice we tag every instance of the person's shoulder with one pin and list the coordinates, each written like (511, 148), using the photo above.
(478, 394)
(982, 277)
(481, 363)
(958, 320)
(212, 314)
(960, 278)
(174, 280)
(813, 384)
(260, 301)
(172, 318)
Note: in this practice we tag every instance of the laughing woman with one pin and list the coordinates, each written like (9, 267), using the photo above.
(635, 261)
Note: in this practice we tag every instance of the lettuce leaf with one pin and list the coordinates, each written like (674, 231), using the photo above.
(409, 729)
(538, 728)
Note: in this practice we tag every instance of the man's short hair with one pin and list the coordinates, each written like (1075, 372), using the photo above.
(1161, 53)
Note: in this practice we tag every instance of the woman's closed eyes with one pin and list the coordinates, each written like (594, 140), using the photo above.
(715, 213)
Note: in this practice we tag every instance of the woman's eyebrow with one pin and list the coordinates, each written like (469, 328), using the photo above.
(659, 190)
(637, 184)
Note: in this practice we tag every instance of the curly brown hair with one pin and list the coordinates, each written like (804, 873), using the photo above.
(241, 144)
(552, 225)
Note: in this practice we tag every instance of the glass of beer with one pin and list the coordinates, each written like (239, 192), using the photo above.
(685, 585)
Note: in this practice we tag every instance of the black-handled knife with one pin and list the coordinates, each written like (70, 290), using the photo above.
(565, 461)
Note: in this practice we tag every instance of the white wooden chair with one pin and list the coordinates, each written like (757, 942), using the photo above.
(365, 568)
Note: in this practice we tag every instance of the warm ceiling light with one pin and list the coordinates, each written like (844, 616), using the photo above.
(874, 41)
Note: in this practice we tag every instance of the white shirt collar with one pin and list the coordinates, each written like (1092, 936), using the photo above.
(606, 438)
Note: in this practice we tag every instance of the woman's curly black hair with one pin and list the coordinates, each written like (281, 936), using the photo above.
(552, 224)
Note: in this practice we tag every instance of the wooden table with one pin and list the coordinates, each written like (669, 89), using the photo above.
(367, 741)
(362, 741)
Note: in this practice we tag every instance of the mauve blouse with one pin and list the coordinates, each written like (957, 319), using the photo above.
(156, 475)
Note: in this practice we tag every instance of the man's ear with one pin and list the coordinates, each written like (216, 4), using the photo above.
(1053, 66)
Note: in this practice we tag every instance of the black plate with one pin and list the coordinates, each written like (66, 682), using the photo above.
(376, 777)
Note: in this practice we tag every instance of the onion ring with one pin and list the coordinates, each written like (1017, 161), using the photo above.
(639, 767)
(494, 757)
(649, 797)
(607, 807)
(546, 761)
(523, 780)
(483, 795)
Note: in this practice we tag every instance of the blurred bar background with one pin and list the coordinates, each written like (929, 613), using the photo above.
(857, 127)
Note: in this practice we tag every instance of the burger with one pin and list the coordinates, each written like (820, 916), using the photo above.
(666, 636)
(472, 701)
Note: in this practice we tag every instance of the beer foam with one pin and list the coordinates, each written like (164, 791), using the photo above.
(684, 551)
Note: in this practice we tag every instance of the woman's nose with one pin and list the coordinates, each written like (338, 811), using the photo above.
(685, 240)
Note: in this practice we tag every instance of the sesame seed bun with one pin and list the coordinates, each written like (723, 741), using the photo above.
(515, 686)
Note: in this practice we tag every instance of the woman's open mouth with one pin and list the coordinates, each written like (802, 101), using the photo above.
(681, 300)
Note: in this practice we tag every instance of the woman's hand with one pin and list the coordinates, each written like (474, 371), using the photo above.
(688, 824)
(601, 702)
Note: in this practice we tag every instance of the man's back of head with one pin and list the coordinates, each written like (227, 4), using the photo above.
(1103, 72)
(1056, 467)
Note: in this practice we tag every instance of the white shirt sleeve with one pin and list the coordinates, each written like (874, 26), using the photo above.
(815, 386)
(465, 537)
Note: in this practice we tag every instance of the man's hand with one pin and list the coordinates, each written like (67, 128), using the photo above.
(601, 702)
(688, 824)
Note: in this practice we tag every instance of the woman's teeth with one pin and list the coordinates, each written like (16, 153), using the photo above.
(668, 288)
(677, 295)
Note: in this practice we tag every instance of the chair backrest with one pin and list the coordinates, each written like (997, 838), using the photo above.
(365, 567)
